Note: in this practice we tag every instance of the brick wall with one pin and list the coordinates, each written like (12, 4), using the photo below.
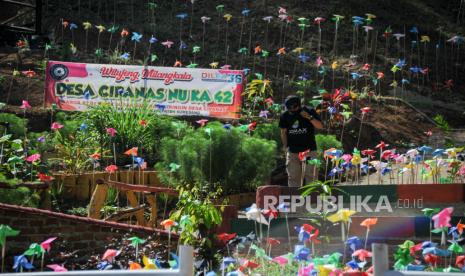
(79, 233)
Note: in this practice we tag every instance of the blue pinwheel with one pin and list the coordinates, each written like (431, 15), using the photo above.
(73, 26)
(125, 56)
(401, 63)
(21, 262)
(414, 30)
(136, 37)
(436, 251)
(83, 127)
(226, 262)
(405, 81)
(305, 76)
(415, 69)
(354, 243)
(86, 95)
(303, 254)
(438, 152)
(425, 149)
(355, 75)
(181, 16)
(227, 126)
(303, 58)
(245, 12)
(160, 107)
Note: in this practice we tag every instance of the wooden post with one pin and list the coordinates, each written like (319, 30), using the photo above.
(152, 200)
(97, 200)
(380, 258)
(134, 203)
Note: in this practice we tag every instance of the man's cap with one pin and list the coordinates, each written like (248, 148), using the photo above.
(291, 100)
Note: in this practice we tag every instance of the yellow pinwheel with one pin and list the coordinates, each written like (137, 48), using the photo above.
(298, 50)
(87, 25)
(148, 264)
(334, 65)
(100, 28)
(214, 65)
(342, 216)
(228, 17)
(425, 38)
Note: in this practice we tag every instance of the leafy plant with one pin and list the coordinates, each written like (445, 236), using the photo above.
(18, 196)
(441, 122)
(197, 216)
(12, 124)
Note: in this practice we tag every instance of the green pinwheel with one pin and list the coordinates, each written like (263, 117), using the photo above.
(265, 53)
(135, 241)
(195, 49)
(34, 249)
(192, 65)
(430, 212)
(6, 231)
(174, 167)
(220, 8)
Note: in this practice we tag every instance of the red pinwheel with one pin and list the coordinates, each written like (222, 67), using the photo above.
(248, 264)
(225, 237)
(449, 83)
(366, 67)
(380, 75)
(143, 123)
(44, 178)
(303, 155)
(314, 236)
(460, 261)
(110, 254)
(365, 110)
(95, 156)
(307, 227)
(415, 248)
(362, 254)
(368, 152)
(272, 214)
(20, 43)
(381, 145)
(431, 259)
(269, 101)
(111, 168)
(272, 241)
(386, 154)
(252, 126)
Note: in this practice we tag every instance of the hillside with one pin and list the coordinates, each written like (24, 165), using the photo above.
(439, 91)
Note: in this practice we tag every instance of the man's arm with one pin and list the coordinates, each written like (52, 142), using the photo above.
(284, 138)
(315, 122)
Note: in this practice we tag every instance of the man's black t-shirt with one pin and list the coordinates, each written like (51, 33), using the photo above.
(300, 131)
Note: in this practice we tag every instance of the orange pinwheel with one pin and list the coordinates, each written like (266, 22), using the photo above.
(132, 151)
(134, 266)
(460, 227)
(177, 63)
(124, 33)
(282, 51)
(258, 49)
(168, 223)
(369, 222)
(95, 156)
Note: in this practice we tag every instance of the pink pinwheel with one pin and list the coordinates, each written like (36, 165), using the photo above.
(368, 28)
(281, 260)
(202, 122)
(111, 131)
(167, 43)
(57, 268)
(226, 67)
(110, 254)
(386, 154)
(319, 61)
(25, 105)
(346, 157)
(56, 126)
(33, 158)
(318, 20)
(282, 10)
(379, 75)
(306, 270)
(366, 67)
(47, 244)
(442, 219)
(362, 254)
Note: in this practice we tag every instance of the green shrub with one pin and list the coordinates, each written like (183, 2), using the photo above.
(17, 125)
(325, 142)
(238, 162)
(269, 131)
(19, 196)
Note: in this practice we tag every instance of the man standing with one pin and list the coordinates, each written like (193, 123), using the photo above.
(298, 125)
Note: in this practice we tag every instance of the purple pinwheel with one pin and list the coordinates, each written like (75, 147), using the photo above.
(401, 63)
(152, 40)
(160, 106)
(264, 114)
(182, 45)
(415, 69)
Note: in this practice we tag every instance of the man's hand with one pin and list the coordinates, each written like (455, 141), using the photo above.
(306, 115)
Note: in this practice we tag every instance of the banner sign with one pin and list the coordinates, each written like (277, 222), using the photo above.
(170, 90)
